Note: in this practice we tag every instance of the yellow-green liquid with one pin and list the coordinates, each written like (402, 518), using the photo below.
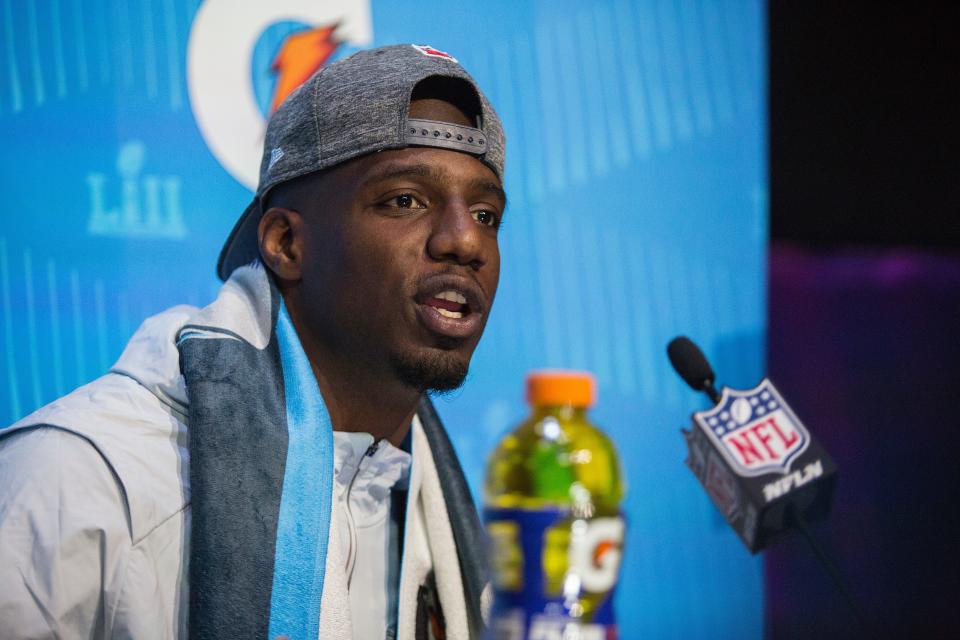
(555, 459)
(547, 459)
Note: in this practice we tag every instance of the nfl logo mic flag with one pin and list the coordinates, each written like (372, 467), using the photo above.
(755, 459)
(755, 430)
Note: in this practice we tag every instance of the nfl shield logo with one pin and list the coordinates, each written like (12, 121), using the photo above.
(755, 430)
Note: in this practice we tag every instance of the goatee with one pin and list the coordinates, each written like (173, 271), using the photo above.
(435, 371)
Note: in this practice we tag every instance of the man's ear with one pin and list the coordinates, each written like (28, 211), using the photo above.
(281, 235)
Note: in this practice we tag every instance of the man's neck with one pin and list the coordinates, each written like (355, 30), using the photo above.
(358, 396)
(357, 403)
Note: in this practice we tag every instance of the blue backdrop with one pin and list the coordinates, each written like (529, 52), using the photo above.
(646, 218)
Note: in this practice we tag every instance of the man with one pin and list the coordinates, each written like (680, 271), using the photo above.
(269, 466)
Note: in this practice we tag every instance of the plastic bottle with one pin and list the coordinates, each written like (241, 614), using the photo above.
(552, 510)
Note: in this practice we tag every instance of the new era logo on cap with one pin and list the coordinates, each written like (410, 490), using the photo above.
(427, 50)
(275, 155)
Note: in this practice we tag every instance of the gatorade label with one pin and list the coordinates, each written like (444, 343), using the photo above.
(554, 576)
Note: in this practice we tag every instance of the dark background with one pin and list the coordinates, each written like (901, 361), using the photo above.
(863, 126)
(865, 306)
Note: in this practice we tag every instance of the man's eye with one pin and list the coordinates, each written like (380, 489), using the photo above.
(405, 201)
(484, 217)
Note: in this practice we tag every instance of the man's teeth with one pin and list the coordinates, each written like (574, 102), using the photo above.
(452, 296)
(449, 314)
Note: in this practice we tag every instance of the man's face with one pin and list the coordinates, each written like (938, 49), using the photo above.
(401, 262)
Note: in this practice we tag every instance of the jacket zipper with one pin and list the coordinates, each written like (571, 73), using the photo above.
(354, 538)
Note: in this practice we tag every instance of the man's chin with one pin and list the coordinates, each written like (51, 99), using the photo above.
(431, 370)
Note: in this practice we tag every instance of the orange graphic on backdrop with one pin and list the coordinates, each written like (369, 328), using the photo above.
(300, 55)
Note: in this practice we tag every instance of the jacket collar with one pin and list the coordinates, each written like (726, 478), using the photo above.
(245, 308)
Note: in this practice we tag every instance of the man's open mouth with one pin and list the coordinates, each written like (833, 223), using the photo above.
(451, 306)
(449, 303)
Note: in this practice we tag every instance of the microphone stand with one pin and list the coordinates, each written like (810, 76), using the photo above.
(796, 521)
(696, 371)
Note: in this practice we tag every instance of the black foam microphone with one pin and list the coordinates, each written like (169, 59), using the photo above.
(692, 365)
(757, 461)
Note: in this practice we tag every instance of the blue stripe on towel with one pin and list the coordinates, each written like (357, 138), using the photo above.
(304, 521)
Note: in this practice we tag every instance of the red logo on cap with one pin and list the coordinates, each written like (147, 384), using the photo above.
(427, 50)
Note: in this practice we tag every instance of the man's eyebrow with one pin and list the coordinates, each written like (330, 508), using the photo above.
(430, 171)
(491, 187)
(389, 172)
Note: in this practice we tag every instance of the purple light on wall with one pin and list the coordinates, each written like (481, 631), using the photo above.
(863, 343)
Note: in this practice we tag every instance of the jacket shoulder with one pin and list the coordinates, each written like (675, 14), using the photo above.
(140, 439)
(65, 534)
(53, 470)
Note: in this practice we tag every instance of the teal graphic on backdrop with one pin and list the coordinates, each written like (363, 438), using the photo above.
(147, 206)
(646, 218)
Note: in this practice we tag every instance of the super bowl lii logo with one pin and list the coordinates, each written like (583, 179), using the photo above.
(134, 205)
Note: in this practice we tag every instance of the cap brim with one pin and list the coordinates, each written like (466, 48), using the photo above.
(241, 247)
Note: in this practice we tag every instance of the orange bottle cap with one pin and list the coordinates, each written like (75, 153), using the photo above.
(560, 387)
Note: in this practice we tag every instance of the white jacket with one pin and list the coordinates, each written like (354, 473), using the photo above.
(96, 511)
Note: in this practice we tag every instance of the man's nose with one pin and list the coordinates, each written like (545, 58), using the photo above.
(456, 237)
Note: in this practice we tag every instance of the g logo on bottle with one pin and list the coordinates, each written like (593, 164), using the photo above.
(596, 548)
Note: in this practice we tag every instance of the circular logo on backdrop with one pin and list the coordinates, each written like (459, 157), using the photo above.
(229, 41)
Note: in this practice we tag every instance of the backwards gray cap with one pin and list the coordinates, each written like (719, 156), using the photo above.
(350, 108)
